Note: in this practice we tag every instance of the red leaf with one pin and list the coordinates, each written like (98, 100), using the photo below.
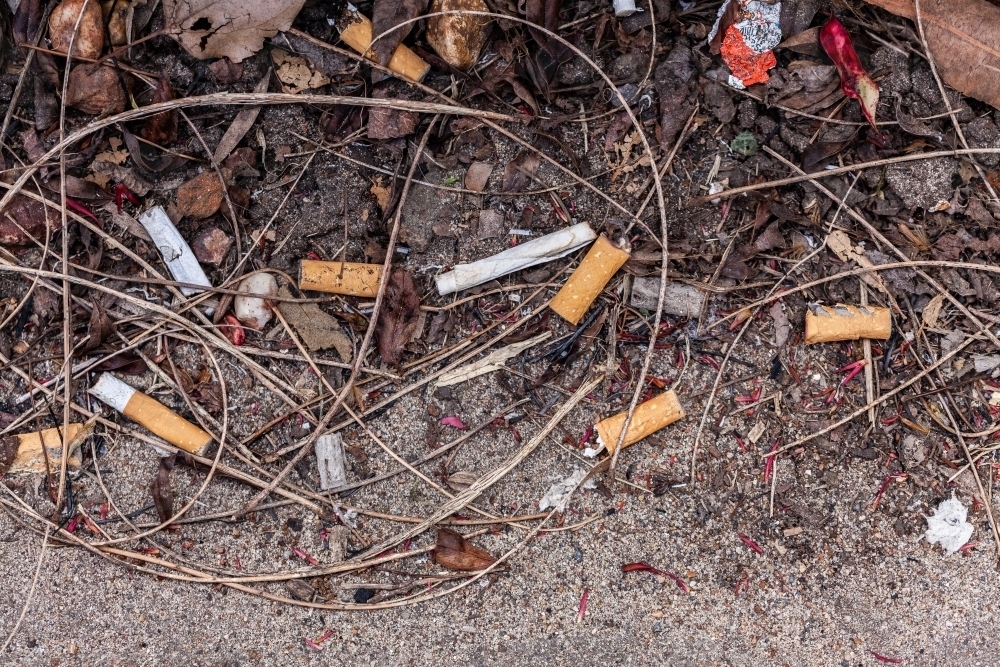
(854, 80)
(750, 543)
(645, 567)
(233, 330)
(885, 658)
(454, 421)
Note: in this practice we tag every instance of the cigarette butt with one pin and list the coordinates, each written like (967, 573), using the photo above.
(31, 458)
(825, 324)
(348, 278)
(543, 249)
(602, 261)
(152, 414)
(649, 417)
(358, 36)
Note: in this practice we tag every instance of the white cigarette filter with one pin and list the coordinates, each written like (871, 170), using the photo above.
(649, 417)
(602, 262)
(152, 414)
(177, 254)
(543, 249)
(826, 324)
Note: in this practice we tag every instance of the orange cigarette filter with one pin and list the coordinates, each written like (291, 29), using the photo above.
(347, 278)
(826, 324)
(601, 262)
(31, 458)
(656, 413)
(358, 35)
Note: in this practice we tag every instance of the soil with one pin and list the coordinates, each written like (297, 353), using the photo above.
(819, 559)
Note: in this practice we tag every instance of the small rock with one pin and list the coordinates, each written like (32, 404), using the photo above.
(458, 38)
(211, 246)
(200, 197)
(629, 67)
(898, 81)
(385, 123)
(477, 176)
(491, 224)
(983, 133)
(922, 184)
(423, 209)
(95, 90)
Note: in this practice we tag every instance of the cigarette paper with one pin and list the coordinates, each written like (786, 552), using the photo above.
(31, 458)
(602, 261)
(152, 414)
(649, 417)
(679, 299)
(330, 461)
(358, 36)
(624, 8)
(346, 278)
(177, 254)
(825, 324)
(543, 249)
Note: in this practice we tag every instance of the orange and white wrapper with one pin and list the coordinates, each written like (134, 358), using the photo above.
(749, 29)
(152, 414)
(649, 417)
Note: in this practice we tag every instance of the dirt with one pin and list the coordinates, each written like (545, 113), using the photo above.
(816, 560)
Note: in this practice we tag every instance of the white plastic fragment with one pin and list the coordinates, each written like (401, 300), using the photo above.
(559, 493)
(624, 7)
(177, 254)
(330, 461)
(255, 312)
(543, 249)
(948, 526)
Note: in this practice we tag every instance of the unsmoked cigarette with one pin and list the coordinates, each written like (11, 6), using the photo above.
(31, 458)
(648, 418)
(602, 261)
(152, 414)
(347, 278)
(543, 249)
(826, 324)
(358, 36)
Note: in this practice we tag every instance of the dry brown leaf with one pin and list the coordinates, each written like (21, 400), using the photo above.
(100, 326)
(382, 194)
(932, 311)
(241, 124)
(964, 40)
(89, 40)
(398, 318)
(840, 243)
(388, 14)
(226, 71)
(8, 452)
(163, 495)
(478, 175)
(161, 128)
(201, 196)
(227, 28)
(454, 552)
(518, 172)
(296, 73)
